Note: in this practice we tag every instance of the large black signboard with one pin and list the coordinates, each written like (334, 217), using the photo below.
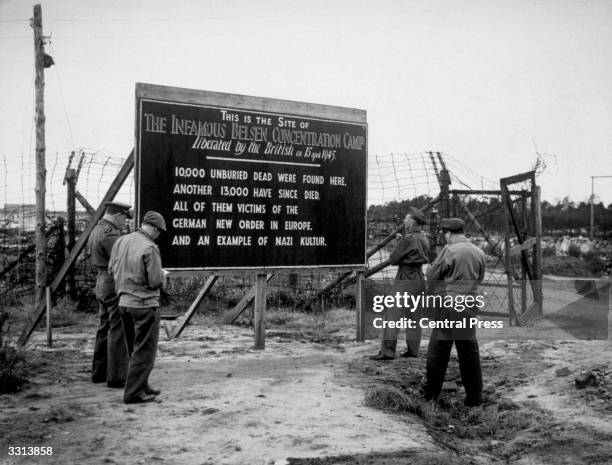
(246, 182)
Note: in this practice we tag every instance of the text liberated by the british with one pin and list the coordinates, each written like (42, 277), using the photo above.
(246, 188)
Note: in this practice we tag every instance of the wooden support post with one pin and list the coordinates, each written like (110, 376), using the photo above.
(537, 207)
(71, 206)
(80, 244)
(193, 307)
(526, 264)
(41, 170)
(233, 314)
(359, 307)
(508, 261)
(260, 309)
(83, 201)
(445, 182)
(48, 305)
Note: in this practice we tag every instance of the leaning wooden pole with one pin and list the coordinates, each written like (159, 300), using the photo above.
(41, 171)
(80, 244)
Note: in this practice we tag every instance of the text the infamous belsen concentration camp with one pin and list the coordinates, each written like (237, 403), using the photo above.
(246, 188)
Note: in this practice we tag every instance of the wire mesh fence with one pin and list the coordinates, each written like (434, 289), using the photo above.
(395, 183)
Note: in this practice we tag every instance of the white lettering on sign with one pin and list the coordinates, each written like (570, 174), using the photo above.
(192, 223)
(224, 223)
(262, 192)
(312, 179)
(287, 194)
(251, 208)
(298, 225)
(286, 177)
(222, 207)
(284, 241)
(234, 240)
(259, 176)
(251, 224)
(311, 241)
(181, 240)
(311, 195)
(204, 240)
(228, 174)
(192, 189)
(337, 181)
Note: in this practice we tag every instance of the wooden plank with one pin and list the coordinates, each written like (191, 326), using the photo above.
(194, 306)
(359, 304)
(260, 311)
(479, 227)
(248, 102)
(48, 304)
(83, 201)
(233, 314)
(528, 244)
(527, 176)
(530, 315)
(537, 209)
(80, 244)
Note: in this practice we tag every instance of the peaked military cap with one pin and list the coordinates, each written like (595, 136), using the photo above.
(118, 207)
(154, 219)
(452, 224)
(417, 215)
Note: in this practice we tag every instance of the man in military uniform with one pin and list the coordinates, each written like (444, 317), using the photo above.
(457, 271)
(411, 252)
(135, 264)
(110, 352)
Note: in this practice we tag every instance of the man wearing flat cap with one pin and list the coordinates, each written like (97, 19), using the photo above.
(457, 271)
(411, 252)
(135, 264)
(110, 352)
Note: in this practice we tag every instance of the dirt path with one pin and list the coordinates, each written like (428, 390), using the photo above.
(221, 404)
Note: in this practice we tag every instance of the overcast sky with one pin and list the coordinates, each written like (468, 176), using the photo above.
(486, 82)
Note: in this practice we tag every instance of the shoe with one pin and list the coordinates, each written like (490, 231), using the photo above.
(379, 356)
(152, 391)
(408, 354)
(472, 402)
(116, 384)
(141, 399)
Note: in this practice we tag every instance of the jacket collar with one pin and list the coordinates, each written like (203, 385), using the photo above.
(456, 238)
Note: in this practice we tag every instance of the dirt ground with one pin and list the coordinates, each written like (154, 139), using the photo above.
(304, 400)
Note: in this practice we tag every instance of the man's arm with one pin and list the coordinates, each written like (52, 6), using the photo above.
(438, 268)
(152, 261)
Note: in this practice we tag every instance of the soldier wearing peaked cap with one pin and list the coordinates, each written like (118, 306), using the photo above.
(457, 271)
(411, 252)
(110, 352)
(136, 266)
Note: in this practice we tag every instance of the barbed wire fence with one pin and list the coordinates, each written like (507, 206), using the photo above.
(396, 181)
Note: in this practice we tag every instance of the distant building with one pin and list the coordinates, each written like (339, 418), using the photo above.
(23, 216)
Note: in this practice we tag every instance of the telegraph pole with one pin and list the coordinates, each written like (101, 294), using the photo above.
(41, 61)
(41, 171)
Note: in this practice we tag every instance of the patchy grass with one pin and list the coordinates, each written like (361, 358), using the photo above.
(13, 369)
(566, 266)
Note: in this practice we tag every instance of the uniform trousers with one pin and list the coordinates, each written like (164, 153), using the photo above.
(141, 327)
(412, 281)
(110, 357)
(438, 354)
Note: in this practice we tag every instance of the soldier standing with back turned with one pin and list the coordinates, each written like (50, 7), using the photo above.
(110, 358)
(457, 271)
(411, 252)
(136, 266)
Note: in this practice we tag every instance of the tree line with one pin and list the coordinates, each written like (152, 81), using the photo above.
(558, 218)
